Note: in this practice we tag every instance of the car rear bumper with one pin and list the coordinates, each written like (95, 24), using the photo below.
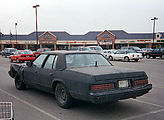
(103, 97)
(135, 58)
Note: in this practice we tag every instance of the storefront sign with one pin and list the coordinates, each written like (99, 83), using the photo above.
(144, 40)
(76, 42)
(29, 42)
(11, 42)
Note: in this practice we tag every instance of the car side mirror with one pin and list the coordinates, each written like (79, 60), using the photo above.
(29, 64)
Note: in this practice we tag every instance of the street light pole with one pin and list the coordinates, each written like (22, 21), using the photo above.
(16, 33)
(36, 23)
(154, 19)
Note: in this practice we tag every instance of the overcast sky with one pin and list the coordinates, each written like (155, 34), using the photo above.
(81, 16)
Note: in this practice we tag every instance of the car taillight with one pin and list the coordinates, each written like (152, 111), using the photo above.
(133, 55)
(141, 82)
(102, 87)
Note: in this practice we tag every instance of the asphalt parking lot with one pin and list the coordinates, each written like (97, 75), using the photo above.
(36, 105)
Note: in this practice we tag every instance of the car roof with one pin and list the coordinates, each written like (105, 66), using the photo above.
(67, 52)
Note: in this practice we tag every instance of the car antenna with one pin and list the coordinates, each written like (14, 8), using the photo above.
(96, 65)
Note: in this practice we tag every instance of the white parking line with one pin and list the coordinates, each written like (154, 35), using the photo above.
(142, 115)
(145, 114)
(33, 106)
(149, 103)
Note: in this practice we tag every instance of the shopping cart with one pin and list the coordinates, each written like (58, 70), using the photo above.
(6, 111)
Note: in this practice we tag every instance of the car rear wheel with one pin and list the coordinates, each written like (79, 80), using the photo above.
(162, 56)
(19, 84)
(110, 58)
(18, 61)
(147, 56)
(126, 59)
(63, 97)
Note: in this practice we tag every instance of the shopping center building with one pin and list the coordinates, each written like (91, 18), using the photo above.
(108, 39)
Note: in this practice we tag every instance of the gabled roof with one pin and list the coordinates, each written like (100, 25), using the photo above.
(91, 35)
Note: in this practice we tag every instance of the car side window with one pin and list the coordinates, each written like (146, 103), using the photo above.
(49, 62)
(54, 64)
(39, 61)
(156, 49)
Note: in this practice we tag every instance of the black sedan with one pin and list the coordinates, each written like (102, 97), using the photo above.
(84, 76)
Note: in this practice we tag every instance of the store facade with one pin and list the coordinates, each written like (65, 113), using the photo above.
(108, 39)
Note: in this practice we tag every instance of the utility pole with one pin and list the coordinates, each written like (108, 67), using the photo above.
(154, 19)
(36, 23)
(16, 33)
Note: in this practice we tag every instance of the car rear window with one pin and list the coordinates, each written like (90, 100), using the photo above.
(86, 60)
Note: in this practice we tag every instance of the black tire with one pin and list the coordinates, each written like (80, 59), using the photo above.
(147, 56)
(136, 60)
(162, 56)
(126, 59)
(154, 57)
(110, 58)
(19, 84)
(10, 60)
(63, 97)
(18, 61)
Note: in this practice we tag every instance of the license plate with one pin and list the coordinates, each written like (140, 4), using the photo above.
(123, 83)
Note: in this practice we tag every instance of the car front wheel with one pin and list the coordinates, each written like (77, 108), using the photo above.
(63, 97)
(126, 59)
(19, 84)
(147, 56)
(110, 58)
(10, 60)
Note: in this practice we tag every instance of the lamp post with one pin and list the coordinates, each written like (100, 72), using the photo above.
(36, 23)
(154, 19)
(16, 34)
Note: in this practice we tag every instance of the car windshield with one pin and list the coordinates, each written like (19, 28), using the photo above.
(136, 48)
(85, 49)
(13, 50)
(47, 50)
(25, 52)
(131, 51)
(86, 60)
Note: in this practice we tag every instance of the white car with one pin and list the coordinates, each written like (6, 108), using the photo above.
(107, 53)
(126, 55)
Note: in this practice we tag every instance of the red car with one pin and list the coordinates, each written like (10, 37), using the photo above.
(21, 56)
(38, 51)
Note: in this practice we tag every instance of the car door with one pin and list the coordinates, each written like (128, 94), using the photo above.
(156, 52)
(31, 73)
(47, 73)
(122, 55)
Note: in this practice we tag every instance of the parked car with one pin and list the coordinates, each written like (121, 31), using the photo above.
(107, 53)
(126, 55)
(40, 50)
(135, 48)
(146, 50)
(80, 48)
(21, 56)
(8, 51)
(157, 52)
(78, 75)
(97, 49)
